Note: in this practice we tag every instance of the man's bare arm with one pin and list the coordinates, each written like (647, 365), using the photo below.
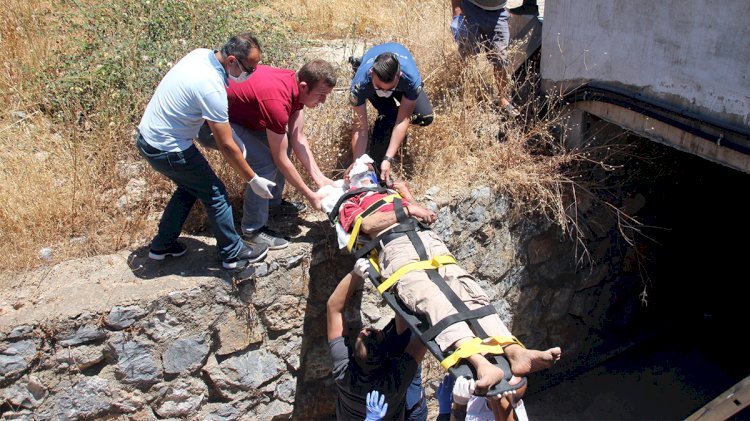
(359, 131)
(302, 150)
(279, 144)
(403, 189)
(378, 221)
(229, 149)
(337, 303)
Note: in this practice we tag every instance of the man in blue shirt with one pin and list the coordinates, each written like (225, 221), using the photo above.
(387, 76)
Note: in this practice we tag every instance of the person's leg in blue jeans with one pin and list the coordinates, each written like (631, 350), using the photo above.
(416, 404)
(195, 180)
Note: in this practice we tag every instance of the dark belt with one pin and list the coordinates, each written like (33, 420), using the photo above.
(391, 235)
(146, 147)
(411, 224)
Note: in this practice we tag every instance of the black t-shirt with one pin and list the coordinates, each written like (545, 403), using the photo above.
(392, 380)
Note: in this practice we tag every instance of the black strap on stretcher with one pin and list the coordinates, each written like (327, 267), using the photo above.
(333, 216)
(409, 227)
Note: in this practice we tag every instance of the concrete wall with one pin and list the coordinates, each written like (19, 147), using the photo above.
(691, 54)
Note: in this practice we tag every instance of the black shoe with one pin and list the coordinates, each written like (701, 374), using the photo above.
(287, 208)
(247, 254)
(355, 62)
(175, 250)
(266, 236)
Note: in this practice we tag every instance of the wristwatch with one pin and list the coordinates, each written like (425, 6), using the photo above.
(389, 158)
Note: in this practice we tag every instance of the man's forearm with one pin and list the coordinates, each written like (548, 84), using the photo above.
(229, 149)
(284, 164)
(378, 221)
(337, 302)
(343, 292)
(359, 143)
(303, 151)
(403, 118)
(359, 131)
(397, 137)
(233, 155)
(279, 144)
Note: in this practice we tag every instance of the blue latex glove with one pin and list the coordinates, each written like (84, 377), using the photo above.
(458, 27)
(444, 394)
(376, 406)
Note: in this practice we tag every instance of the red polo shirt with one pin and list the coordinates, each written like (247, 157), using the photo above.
(266, 100)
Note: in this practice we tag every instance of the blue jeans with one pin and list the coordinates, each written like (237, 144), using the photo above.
(195, 180)
(416, 402)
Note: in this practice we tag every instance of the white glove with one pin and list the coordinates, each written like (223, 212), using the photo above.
(360, 267)
(262, 186)
(462, 390)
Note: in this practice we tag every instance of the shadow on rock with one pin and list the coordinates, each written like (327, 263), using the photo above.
(200, 260)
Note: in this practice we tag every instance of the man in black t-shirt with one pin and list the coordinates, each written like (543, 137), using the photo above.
(369, 363)
(394, 345)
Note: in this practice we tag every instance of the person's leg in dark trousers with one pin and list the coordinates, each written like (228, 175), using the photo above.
(381, 132)
(387, 112)
(195, 180)
(422, 114)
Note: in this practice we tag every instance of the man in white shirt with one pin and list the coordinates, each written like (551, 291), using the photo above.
(192, 92)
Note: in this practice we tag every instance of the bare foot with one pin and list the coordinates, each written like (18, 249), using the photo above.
(526, 361)
(489, 375)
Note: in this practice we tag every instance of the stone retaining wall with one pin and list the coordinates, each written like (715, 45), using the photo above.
(252, 345)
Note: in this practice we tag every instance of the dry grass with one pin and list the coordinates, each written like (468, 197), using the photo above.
(70, 179)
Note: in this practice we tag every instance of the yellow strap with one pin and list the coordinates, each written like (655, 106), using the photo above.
(388, 199)
(492, 345)
(358, 222)
(434, 263)
(374, 262)
(354, 234)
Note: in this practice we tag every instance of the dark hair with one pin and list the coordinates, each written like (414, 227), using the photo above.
(386, 67)
(240, 46)
(367, 353)
(317, 71)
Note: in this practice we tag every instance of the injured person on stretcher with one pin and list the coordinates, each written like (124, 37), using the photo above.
(416, 265)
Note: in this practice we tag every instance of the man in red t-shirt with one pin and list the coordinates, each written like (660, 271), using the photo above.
(267, 114)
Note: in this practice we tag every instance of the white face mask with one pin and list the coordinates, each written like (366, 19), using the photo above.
(383, 93)
(241, 78)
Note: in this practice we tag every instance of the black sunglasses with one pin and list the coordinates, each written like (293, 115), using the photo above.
(245, 69)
